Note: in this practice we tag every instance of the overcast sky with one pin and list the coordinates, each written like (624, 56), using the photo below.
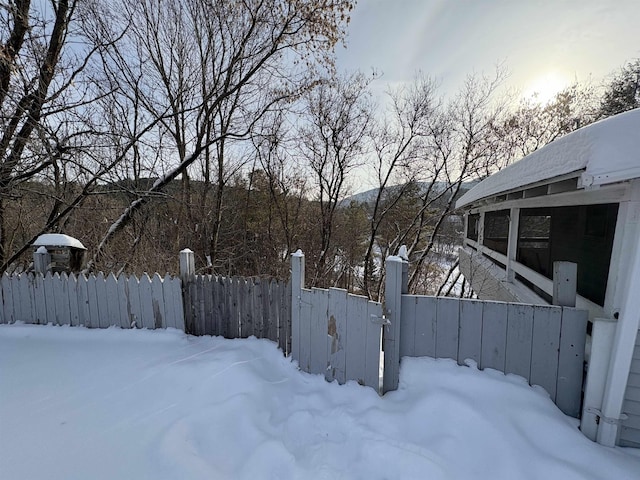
(545, 44)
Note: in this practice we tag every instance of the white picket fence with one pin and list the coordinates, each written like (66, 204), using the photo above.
(94, 301)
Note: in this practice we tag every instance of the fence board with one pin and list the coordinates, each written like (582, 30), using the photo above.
(447, 314)
(494, 336)
(230, 326)
(519, 339)
(15, 295)
(275, 328)
(168, 302)
(158, 302)
(237, 307)
(571, 360)
(113, 300)
(83, 301)
(39, 300)
(72, 293)
(26, 297)
(544, 348)
(337, 335)
(238, 290)
(426, 327)
(285, 317)
(103, 307)
(146, 304)
(17, 303)
(178, 307)
(355, 350)
(222, 309)
(269, 320)
(470, 338)
(218, 297)
(257, 315)
(306, 312)
(32, 297)
(25, 294)
(373, 346)
(61, 298)
(408, 327)
(197, 307)
(7, 299)
(124, 305)
(3, 318)
(134, 301)
(61, 293)
(210, 307)
(50, 298)
(318, 331)
(245, 301)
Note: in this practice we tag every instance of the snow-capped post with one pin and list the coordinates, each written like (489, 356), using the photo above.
(41, 260)
(187, 277)
(395, 286)
(297, 284)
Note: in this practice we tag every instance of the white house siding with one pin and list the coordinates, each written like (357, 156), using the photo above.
(630, 431)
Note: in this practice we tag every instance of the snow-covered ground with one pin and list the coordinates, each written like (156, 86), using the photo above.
(134, 404)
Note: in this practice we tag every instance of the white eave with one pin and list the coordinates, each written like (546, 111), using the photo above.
(604, 152)
(57, 240)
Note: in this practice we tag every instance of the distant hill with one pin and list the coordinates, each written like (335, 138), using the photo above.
(369, 196)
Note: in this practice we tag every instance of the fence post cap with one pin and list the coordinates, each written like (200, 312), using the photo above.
(186, 250)
(42, 250)
(394, 258)
(297, 253)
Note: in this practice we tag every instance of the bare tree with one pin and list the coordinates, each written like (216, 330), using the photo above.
(213, 69)
(464, 144)
(399, 145)
(333, 132)
(46, 109)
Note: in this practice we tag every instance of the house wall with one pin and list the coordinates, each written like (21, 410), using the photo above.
(630, 427)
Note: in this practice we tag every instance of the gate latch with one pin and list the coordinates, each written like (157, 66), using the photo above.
(380, 320)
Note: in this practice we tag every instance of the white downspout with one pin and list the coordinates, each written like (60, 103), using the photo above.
(620, 364)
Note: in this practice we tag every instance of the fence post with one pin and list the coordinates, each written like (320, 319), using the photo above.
(297, 284)
(392, 307)
(565, 283)
(41, 260)
(602, 335)
(187, 278)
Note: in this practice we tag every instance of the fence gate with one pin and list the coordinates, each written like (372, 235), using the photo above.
(235, 307)
(333, 332)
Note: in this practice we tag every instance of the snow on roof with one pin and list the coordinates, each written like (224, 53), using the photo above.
(604, 152)
(57, 240)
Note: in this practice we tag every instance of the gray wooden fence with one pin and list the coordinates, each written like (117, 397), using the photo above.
(334, 333)
(235, 307)
(543, 344)
(94, 301)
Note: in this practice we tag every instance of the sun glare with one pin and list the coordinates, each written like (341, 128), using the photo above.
(544, 88)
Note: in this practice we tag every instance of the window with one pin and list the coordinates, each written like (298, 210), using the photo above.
(473, 224)
(581, 234)
(533, 240)
(496, 230)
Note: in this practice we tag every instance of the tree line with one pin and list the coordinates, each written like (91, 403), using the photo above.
(142, 128)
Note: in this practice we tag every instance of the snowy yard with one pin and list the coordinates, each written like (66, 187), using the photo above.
(122, 404)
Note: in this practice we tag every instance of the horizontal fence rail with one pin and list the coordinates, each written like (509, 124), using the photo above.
(93, 301)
